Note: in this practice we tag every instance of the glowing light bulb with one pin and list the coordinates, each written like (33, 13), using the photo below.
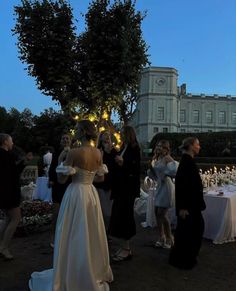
(105, 115)
(92, 118)
(92, 143)
(72, 132)
(102, 128)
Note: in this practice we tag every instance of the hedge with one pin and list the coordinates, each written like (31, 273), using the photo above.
(213, 144)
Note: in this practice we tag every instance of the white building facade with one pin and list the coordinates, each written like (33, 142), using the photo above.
(164, 107)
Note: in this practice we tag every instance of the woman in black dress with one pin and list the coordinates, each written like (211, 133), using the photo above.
(125, 188)
(10, 194)
(189, 205)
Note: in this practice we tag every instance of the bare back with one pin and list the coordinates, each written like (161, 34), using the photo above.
(84, 157)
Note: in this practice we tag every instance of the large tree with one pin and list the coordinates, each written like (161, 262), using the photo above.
(95, 71)
(46, 43)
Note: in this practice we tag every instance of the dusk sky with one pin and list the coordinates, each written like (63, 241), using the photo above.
(198, 38)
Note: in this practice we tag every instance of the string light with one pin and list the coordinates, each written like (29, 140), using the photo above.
(102, 128)
(101, 124)
(105, 115)
(72, 132)
(92, 143)
(92, 118)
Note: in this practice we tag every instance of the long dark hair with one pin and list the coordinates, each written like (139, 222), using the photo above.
(130, 136)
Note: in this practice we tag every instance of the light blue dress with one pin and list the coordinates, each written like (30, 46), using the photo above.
(165, 189)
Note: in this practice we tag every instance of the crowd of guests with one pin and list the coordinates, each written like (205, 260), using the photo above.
(94, 204)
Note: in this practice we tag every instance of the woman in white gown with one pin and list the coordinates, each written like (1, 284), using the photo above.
(81, 258)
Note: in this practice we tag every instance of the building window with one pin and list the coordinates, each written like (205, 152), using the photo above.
(182, 115)
(222, 117)
(234, 117)
(209, 117)
(182, 130)
(196, 130)
(155, 129)
(195, 116)
(165, 129)
(160, 113)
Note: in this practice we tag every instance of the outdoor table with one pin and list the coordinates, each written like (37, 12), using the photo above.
(42, 191)
(220, 215)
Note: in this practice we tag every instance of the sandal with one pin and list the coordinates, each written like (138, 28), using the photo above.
(120, 258)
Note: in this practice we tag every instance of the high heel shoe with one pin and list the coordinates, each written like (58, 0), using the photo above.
(168, 244)
(6, 254)
(119, 257)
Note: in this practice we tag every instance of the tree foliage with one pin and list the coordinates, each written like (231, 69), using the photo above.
(31, 132)
(46, 43)
(96, 70)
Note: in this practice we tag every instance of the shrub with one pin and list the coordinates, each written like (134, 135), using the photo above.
(213, 144)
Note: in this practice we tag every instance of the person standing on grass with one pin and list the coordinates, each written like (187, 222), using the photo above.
(189, 206)
(10, 194)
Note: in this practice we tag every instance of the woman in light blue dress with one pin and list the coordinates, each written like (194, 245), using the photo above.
(162, 170)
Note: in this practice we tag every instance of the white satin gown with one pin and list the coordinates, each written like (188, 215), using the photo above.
(81, 258)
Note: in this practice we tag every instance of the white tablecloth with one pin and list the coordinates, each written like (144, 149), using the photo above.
(42, 191)
(220, 215)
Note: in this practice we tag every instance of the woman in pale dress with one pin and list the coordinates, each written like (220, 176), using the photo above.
(81, 259)
(163, 169)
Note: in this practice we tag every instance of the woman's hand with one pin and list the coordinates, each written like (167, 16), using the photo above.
(183, 213)
(119, 160)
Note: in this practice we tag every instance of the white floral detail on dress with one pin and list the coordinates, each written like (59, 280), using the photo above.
(102, 170)
(65, 170)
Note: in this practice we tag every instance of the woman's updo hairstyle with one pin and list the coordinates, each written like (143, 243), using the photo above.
(88, 128)
(187, 142)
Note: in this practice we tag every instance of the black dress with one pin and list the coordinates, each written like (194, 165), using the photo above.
(10, 194)
(109, 160)
(58, 189)
(189, 231)
(125, 188)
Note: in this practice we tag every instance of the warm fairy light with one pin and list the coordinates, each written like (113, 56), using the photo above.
(76, 117)
(92, 118)
(117, 146)
(105, 115)
(72, 132)
(118, 139)
(102, 128)
(117, 136)
(92, 143)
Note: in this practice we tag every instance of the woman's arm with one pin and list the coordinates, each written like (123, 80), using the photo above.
(62, 178)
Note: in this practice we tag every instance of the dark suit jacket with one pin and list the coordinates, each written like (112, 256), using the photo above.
(9, 180)
(188, 186)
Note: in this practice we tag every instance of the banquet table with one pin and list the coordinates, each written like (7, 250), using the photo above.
(42, 191)
(220, 215)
